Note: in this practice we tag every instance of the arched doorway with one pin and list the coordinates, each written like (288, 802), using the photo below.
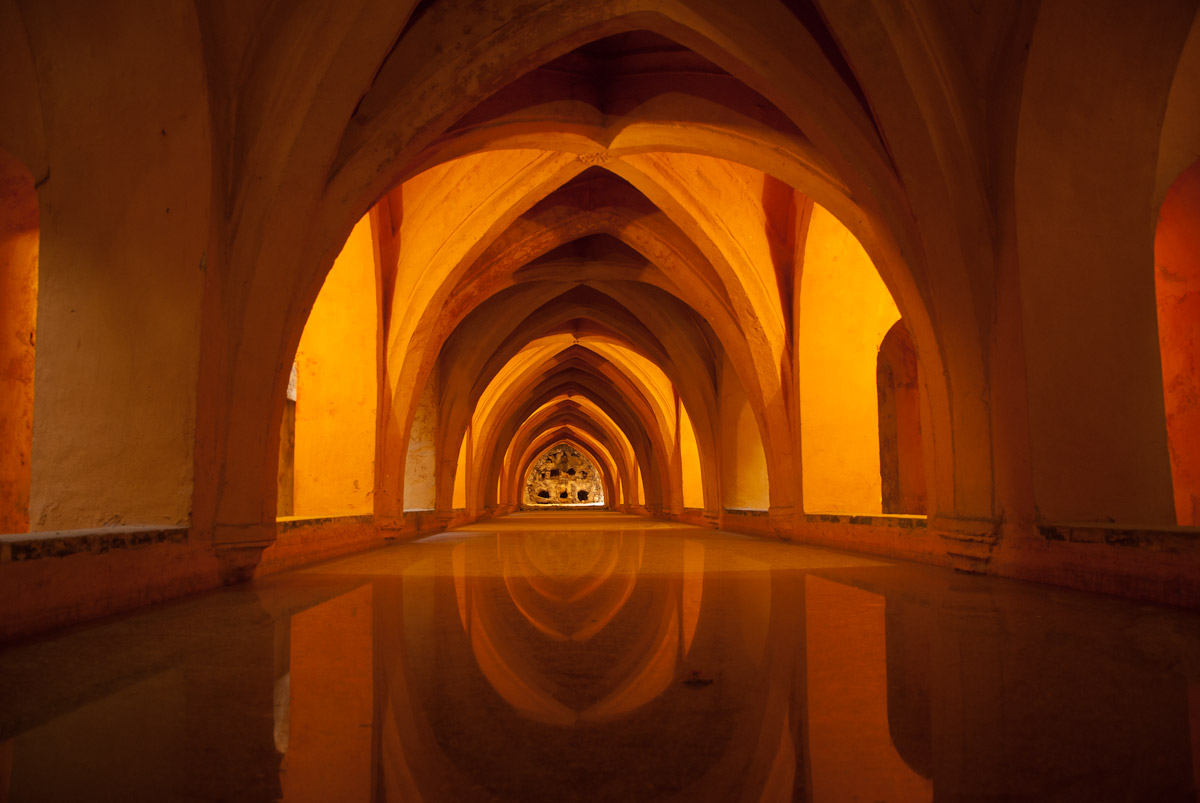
(1177, 290)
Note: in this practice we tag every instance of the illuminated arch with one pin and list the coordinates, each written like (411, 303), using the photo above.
(582, 423)
(901, 448)
(842, 132)
(609, 389)
(1177, 284)
(581, 438)
(588, 469)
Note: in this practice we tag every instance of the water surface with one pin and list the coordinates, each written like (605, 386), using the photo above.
(598, 657)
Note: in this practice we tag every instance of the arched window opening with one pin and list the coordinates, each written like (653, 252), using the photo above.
(19, 231)
(901, 461)
(745, 481)
(689, 452)
(1177, 288)
(328, 426)
(459, 494)
(563, 476)
(845, 311)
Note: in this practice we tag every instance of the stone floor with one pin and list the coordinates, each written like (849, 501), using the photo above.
(594, 656)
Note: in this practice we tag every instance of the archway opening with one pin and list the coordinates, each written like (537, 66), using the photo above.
(563, 477)
(327, 438)
(1177, 288)
(692, 476)
(745, 479)
(845, 312)
(901, 454)
(566, 140)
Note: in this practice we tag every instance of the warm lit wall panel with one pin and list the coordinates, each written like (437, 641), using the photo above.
(744, 479)
(331, 708)
(336, 388)
(1177, 286)
(845, 310)
(420, 463)
(693, 486)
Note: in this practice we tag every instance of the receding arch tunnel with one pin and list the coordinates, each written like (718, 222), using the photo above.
(677, 230)
(677, 250)
(532, 282)
(580, 383)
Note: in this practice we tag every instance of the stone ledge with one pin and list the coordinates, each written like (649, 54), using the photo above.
(61, 543)
(559, 508)
(286, 523)
(903, 521)
(1163, 538)
(970, 542)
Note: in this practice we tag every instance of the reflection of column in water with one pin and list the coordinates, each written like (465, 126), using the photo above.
(1194, 719)
(282, 712)
(331, 701)
(849, 740)
(569, 593)
(6, 765)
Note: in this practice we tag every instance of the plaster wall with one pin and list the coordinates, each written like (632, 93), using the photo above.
(420, 466)
(745, 483)
(124, 233)
(21, 125)
(18, 314)
(336, 388)
(845, 311)
(1085, 227)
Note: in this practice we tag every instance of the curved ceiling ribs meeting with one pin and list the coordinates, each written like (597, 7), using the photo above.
(621, 185)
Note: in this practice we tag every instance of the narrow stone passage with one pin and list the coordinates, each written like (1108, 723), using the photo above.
(597, 656)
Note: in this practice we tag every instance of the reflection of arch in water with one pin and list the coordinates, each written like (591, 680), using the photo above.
(909, 654)
(757, 747)
(573, 602)
(598, 585)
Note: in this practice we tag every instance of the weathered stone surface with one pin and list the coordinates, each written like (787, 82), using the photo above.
(563, 476)
(34, 546)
